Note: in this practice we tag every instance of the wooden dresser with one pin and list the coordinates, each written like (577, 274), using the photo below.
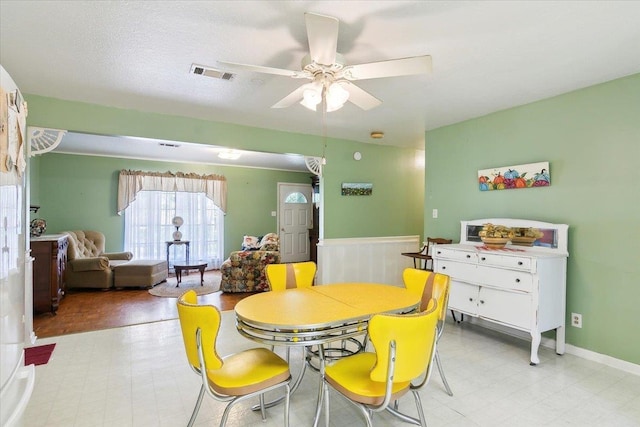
(518, 287)
(50, 253)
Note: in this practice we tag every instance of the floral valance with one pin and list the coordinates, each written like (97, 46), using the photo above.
(131, 182)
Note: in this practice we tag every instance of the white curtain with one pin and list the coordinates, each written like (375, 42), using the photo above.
(148, 227)
(130, 183)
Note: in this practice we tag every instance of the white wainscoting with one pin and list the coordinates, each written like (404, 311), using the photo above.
(365, 259)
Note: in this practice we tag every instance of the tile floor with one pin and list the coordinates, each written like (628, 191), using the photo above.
(138, 376)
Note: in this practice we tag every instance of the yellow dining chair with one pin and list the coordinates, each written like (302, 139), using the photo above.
(233, 378)
(404, 348)
(431, 286)
(292, 275)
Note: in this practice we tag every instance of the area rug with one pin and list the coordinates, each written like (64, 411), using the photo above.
(38, 355)
(168, 288)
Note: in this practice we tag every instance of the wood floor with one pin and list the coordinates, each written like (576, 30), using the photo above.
(91, 310)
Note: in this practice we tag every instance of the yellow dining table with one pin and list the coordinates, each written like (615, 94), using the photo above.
(318, 315)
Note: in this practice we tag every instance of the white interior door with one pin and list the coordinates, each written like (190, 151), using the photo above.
(294, 221)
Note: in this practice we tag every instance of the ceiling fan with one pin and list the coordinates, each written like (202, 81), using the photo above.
(331, 77)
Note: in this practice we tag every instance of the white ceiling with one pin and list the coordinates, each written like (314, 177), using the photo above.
(487, 56)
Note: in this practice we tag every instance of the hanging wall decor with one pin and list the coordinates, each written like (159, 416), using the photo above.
(518, 176)
(357, 188)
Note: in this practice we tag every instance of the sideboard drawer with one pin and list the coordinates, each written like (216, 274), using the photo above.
(518, 262)
(459, 270)
(501, 278)
(455, 254)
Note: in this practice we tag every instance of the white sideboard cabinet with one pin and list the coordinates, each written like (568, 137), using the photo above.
(519, 287)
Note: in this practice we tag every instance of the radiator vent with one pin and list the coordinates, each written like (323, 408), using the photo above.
(203, 70)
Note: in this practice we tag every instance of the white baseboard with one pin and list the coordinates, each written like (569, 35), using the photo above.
(609, 361)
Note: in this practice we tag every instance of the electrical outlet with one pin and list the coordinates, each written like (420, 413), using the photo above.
(576, 320)
(434, 213)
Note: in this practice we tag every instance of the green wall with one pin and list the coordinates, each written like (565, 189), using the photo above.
(591, 138)
(394, 209)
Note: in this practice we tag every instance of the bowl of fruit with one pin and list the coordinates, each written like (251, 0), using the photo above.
(495, 236)
(526, 236)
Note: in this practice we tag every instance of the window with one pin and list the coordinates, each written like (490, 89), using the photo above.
(296, 198)
(148, 226)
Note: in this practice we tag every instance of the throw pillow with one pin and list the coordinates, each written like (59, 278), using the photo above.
(250, 243)
(270, 242)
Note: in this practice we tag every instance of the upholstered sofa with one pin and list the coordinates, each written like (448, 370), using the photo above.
(244, 270)
(89, 266)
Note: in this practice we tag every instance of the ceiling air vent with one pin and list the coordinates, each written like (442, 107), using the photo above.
(203, 70)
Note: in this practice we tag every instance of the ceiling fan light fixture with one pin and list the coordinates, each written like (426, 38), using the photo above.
(336, 97)
(312, 95)
(230, 154)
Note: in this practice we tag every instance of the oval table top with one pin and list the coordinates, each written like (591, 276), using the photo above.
(293, 312)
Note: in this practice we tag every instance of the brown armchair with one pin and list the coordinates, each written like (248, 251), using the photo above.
(88, 265)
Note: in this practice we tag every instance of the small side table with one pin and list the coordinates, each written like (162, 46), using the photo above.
(178, 242)
(186, 267)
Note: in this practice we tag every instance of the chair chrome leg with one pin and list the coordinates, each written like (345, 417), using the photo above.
(444, 379)
(286, 406)
(404, 417)
(262, 411)
(196, 409)
(227, 409)
(416, 396)
(321, 393)
(367, 414)
(326, 404)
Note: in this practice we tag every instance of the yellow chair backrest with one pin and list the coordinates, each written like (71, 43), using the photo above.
(207, 319)
(292, 275)
(428, 285)
(414, 336)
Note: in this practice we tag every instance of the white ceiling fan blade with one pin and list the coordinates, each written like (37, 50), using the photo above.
(322, 32)
(391, 68)
(261, 69)
(292, 98)
(360, 97)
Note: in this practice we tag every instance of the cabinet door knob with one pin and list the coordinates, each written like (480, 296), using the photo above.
(519, 262)
(468, 256)
(438, 252)
(517, 280)
(444, 267)
(481, 301)
(470, 299)
(483, 259)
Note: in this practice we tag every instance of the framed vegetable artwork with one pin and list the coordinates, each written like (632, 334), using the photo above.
(518, 176)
